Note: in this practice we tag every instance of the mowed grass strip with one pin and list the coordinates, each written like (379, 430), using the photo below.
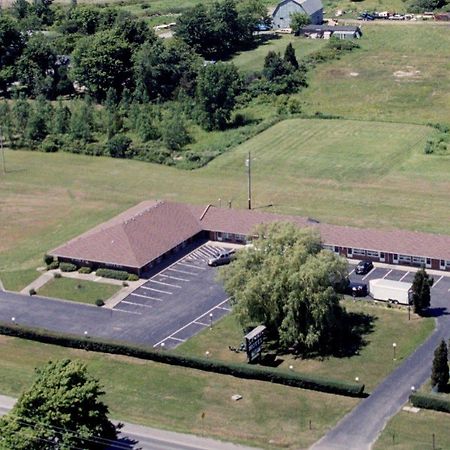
(78, 290)
(373, 362)
(174, 397)
(16, 280)
(400, 73)
(409, 431)
(345, 172)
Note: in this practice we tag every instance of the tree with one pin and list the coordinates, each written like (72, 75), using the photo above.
(421, 295)
(217, 88)
(275, 66)
(82, 121)
(101, 62)
(439, 371)
(426, 5)
(20, 8)
(39, 123)
(298, 21)
(61, 119)
(174, 133)
(62, 409)
(286, 282)
(289, 56)
(118, 146)
(11, 46)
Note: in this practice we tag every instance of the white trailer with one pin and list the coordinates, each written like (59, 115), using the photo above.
(391, 291)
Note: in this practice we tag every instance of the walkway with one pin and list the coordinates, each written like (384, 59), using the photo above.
(360, 429)
(146, 438)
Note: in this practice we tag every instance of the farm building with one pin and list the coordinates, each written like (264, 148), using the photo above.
(326, 31)
(281, 17)
(143, 235)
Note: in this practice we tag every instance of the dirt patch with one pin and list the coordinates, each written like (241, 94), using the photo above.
(410, 74)
(354, 74)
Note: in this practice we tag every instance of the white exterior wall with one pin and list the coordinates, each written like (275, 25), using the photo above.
(282, 16)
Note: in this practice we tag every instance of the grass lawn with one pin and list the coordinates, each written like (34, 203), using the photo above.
(16, 280)
(345, 172)
(174, 398)
(253, 60)
(78, 290)
(373, 363)
(408, 431)
(396, 76)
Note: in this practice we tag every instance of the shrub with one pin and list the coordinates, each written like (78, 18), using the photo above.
(84, 270)
(57, 275)
(52, 266)
(235, 369)
(67, 267)
(32, 291)
(99, 302)
(114, 274)
(118, 146)
(430, 401)
(125, 284)
(48, 259)
(133, 277)
(51, 144)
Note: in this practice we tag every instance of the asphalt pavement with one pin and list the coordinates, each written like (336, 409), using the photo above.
(359, 429)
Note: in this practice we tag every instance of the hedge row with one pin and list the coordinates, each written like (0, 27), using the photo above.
(209, 365)
(430, 401)
(115, 274)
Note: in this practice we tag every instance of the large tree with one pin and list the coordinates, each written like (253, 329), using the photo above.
(286, 282)
(62, 409)
(421, 291)
(217, 88)
(101, 62)
(11, 46)
(439, 372)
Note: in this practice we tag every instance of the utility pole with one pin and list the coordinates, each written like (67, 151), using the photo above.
(2, 151)
(249, 174)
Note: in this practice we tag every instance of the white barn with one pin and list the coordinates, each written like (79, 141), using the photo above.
(281, 17)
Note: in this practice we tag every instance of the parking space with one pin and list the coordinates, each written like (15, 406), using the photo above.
(182, 299)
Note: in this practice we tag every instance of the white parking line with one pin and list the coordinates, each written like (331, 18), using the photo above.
(351, 271)
(221, 307)
(177, 339)
(174, 278)
(386, 274)
(128, 312)
(157, 290)
(434, 285)
(147, 296)
(190, 323)
(404, 276)
(165, 284)
(183, 271)
(136, 304)
(368, 274)
(191, 265)
(201, 323)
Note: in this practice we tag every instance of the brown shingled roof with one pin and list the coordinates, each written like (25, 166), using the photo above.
(150, 229)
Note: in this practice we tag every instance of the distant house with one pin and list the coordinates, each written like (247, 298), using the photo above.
(281, 17)
(326, 31)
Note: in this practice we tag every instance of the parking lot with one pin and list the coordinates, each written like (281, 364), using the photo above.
(180, 300)
(440, 292)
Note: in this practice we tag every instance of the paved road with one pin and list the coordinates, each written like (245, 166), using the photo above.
(135, 437)
(362, 426)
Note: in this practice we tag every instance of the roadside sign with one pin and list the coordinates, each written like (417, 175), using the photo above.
(253, 343)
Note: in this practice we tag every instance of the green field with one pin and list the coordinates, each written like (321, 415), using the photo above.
(174, 398)
(397, 75)
(372, 364)
(408, 431)
(345, 172)
(78, 290)
(253, 60)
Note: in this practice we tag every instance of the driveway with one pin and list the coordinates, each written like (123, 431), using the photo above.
(362, 426)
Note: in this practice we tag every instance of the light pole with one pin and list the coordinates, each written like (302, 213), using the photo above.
(163, 345)
(207, 353)
(356, 379)
(13, 320)
(394, 347)
(210, 320)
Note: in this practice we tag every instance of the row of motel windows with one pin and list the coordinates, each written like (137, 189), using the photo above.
(416, 260)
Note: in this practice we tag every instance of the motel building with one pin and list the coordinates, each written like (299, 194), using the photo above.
(144, 235)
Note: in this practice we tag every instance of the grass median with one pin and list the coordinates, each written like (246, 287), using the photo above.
(381, 327)
(175, 398)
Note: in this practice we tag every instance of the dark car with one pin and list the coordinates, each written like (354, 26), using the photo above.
(356, 289)
(364, 267)
(222, 258)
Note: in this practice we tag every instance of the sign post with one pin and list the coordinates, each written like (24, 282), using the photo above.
(253, 343)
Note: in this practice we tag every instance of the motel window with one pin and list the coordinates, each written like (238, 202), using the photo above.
(336, 249)
(373, 254)
(328, 247)
(359, 252)
(447, 263)
(404, 258)
(442, 264)
(382, 256)
(418, 260)
(350, 252)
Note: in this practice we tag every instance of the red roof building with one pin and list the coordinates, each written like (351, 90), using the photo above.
(142, 235)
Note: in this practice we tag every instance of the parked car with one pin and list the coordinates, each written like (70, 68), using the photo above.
(366, 16)
(356, 289)
(364, 267)
(224, 257)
